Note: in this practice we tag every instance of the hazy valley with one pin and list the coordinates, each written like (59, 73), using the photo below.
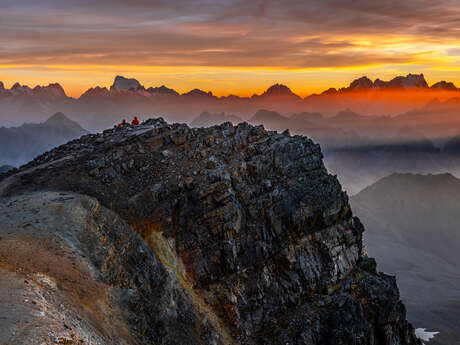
(19, 145)
(412, 228)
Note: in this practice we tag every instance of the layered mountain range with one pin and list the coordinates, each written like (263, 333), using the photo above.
(18, 145)
(165, 234)
(52, 91)
(359, 149)
(99, 107)
(121, 83)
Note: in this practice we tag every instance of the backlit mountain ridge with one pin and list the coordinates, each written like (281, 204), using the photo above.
(122, 83)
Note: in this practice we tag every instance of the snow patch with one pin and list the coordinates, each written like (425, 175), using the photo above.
(421, 333)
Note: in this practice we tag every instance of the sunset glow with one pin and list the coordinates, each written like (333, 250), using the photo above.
(229, 47)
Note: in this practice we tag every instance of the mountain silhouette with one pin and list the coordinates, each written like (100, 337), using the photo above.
(20, 144)
(100, 107)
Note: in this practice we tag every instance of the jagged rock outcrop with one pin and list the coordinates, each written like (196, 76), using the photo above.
(260, 238)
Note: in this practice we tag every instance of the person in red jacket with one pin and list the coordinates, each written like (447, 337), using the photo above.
(135, 121)
(122, 123)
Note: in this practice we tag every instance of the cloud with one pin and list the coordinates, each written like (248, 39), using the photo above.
(218, 33)
(272, 35)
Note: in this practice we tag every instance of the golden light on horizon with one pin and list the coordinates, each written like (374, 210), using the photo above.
(220, 49)
(222, 81)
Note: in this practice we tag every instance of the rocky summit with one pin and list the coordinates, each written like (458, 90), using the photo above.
(165, 234)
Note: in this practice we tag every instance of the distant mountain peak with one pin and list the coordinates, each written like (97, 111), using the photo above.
(95, 92)
(54, 89)
(361, 83)
(444, 85)
(20, 89)
(347, 114)
(411, 181)
(17, 86)
(57, 118)
(22, 143)
(330, 91)
(61, 121)
(408, 81)
(122, 83)
(163, 90)
(268, 118)
(279, 90)
(198, 92)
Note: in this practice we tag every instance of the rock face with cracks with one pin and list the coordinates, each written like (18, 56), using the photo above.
(242, 237)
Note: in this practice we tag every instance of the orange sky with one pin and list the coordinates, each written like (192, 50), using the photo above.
(226, 46)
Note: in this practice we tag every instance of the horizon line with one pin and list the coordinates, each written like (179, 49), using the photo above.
(219, 95)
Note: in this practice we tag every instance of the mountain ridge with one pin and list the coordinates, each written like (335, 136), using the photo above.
(121, 83)
(20, 144)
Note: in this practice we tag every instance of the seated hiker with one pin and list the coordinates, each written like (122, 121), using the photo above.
(122, 123)
(135, 121)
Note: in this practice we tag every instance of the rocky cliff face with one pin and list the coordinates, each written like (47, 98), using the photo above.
(258, 237)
